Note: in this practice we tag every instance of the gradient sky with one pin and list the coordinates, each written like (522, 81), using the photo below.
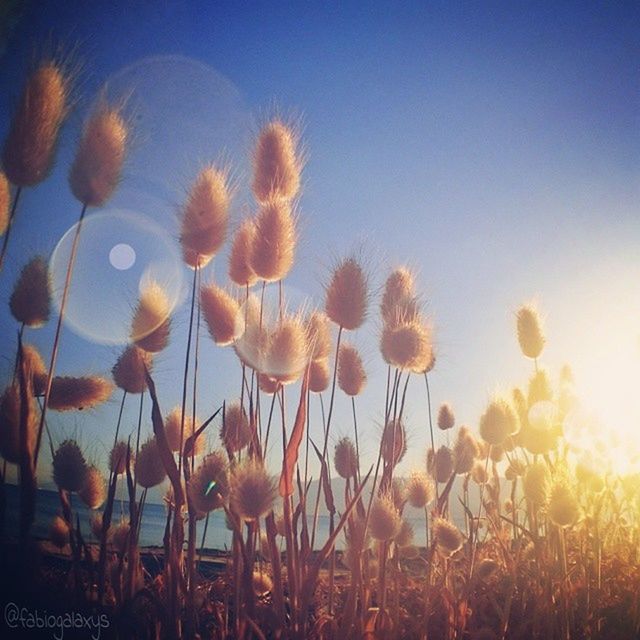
(492, 147)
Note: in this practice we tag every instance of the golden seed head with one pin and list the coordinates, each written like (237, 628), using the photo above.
(347, 295)
(34, 363)
(205, 216)
(352, 377)
(447, 537)
(399, 303)
(118, 457)
(236, 432)
(173, 427)
(85, 392)
(149, 470)
(262, 583)
(498, 422)
(319, 335)
(252, 491)
(30, 146)
(276, 164)
(539, 441)
(404, 537)
(252, 346)
(563, 508)
(394, 442)
(5, 201)
(274, 243)
(420, 490)
(384, 519)
(30, 301)
(443, 464)
(129, 370)
(120, 535)
(97, 167)
(535, 484)
(150, 325)
(497, 452)
(69, 466)
(465, 451)
(345, 459)
(479, 473)
(222, 314)
(319, 375)
(287, 352)
(240, 270)
(94, 490)
(407, 345)
(209, 485)
(10, 414)
(529, 329)
(486, 568)
(59, 532)
(446, 419)
(539, 388)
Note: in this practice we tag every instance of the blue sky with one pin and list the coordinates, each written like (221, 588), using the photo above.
(491, 146)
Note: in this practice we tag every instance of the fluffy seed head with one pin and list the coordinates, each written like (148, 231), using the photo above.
(267, 384)
(262, 583)
(486, 568)
(443, 464)
(30, 301)
(150, 325)
(209, 485)
(319, 375)
(563, 508)
(252, 491)
(10, 414)
(539, 388)
(149, 470)
(120, 535)
(407, 345)
(345, 459)
(529, 329)
(69, 466)
(205, 216)
(319, 335)
(352, 377)
(240, 270)
(420, 490)
(276, 164)
(94, 490)
(535, 483)
(465, 451)
(399, 303)
(5, 200)
(287, 353)
(498, 422)
(235, 432)
(59, 532)
(118, 457)
(479, 473)
(347, 295)
(97, 167)
(129, 370)
(69, 393)
(30, 147)
(222, 314)
(274, 243)
(394, 442)
(34, 363)
(173, 426)
(446, 419)
(384, 519)
(447, 537)
(404, 537)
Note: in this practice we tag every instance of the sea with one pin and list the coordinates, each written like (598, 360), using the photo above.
(218, 537)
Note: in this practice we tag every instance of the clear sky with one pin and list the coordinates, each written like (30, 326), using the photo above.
(494, 147)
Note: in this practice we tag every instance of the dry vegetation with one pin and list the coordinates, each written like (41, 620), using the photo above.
(548, 551)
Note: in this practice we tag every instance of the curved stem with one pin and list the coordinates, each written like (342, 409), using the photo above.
(7, 233)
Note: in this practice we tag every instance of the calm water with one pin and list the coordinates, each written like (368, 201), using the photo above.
(153, 522)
